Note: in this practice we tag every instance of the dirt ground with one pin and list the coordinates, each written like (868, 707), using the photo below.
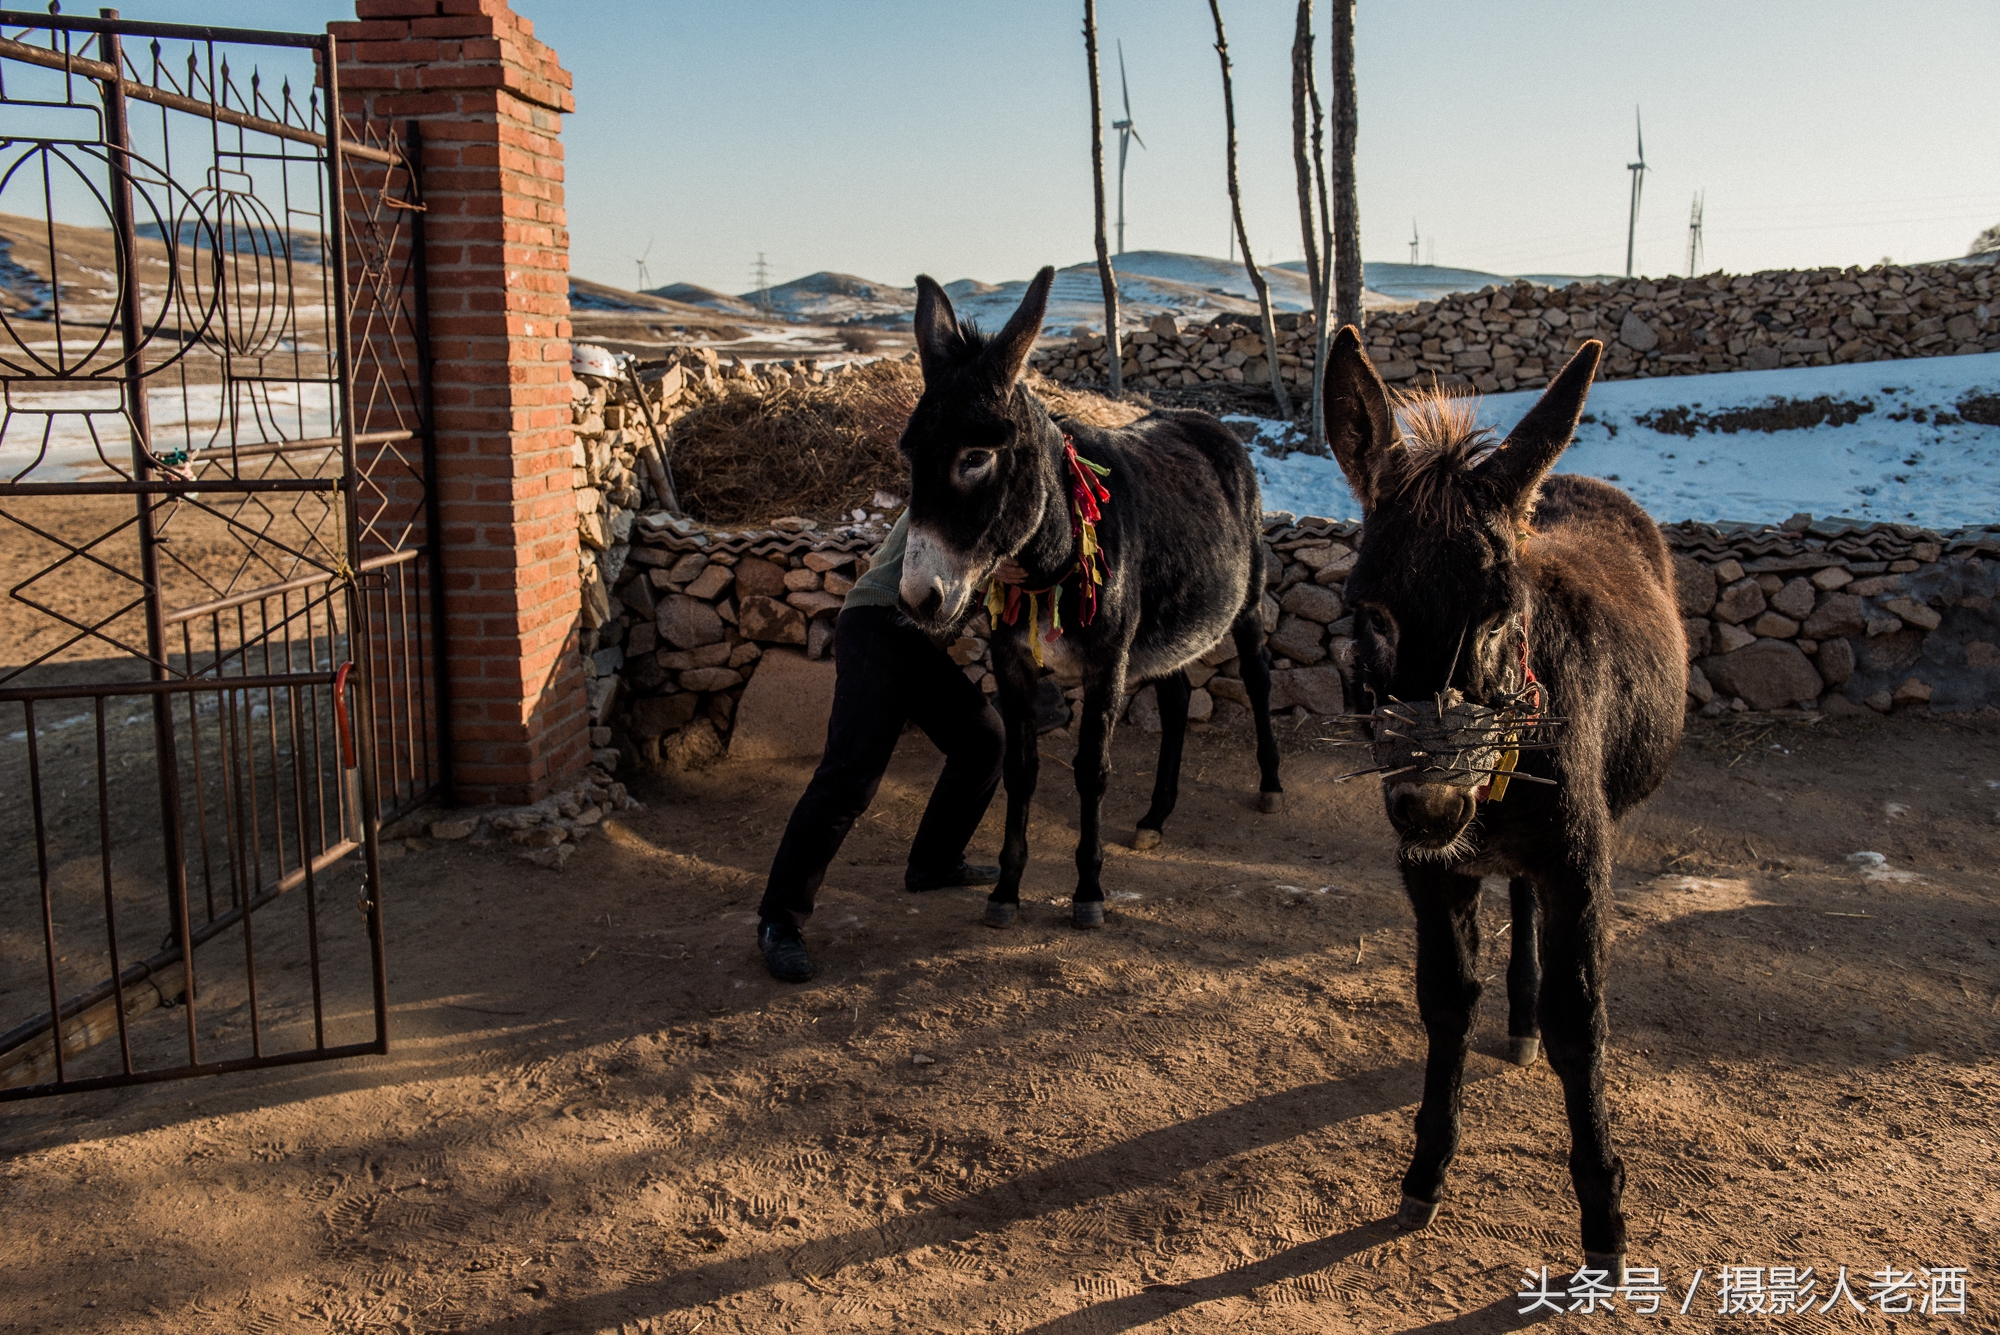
(600, 1114)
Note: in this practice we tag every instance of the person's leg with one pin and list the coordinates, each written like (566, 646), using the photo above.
(870, 703)
(955, 714)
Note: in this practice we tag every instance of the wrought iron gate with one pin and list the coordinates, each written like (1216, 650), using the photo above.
(217, 546)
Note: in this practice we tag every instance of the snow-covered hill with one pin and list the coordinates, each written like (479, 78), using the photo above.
(1909, 456)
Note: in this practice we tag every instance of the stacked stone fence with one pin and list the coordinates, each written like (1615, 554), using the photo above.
(1822, 616)
(1516, 337)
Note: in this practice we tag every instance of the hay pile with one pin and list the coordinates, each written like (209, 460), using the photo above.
(755, 449)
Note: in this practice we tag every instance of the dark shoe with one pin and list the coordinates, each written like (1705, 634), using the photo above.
(785, 952)
(964, 874)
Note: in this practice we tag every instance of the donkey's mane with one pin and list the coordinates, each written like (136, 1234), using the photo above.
(1443, 446)
(966, 343)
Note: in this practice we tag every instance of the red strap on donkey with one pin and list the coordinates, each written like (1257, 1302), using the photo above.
(1087, 495)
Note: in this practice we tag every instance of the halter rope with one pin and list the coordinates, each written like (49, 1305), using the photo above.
(1003, 601)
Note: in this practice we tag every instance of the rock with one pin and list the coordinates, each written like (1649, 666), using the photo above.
(637, 594)
(454, 827)
(1773, 626)
(1739, 602)
(606, 758)
(687, 623)
(1882, 623)
(1699, 634)
(1891, 653)
(1762, 359)
(1881, 702)
(1912, 692)
(1770, 674)
(1229, 688)
(709, 655)
(825, 561)
(1831, 578)
(1312, 602)
(710, 679)
(819, 637)
(1201, 706)
(551, 857)
(710, 583)
(539, 836)
(757, 577)
(1836, 705)
(1838, 615)
(1317, 688)
(696, 746)
(1796, 599)
(745, 652)
(815, 603)
(768, 621)
(658, 715)
(1835, 660)
(1636, 334)
(1694, 586)
(784, 709)
(1698, 686)
(1913, 612)
(801, 580)
(1728, 639)
(1299, 639)
(1144, 711)
(1335, 557)
(686, 568)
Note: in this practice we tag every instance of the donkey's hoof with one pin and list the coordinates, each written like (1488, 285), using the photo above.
(1086, 913)
(1611, 1263)
(1523, 1051)
(1000, 915)
(1270, 803)
(1146, 839)
(1416, 1214)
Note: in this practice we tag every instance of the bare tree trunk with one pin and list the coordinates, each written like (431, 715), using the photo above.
(1302, 63)
(1323, 298)
(1346, 206)
(1113, 355)
(1242, 236)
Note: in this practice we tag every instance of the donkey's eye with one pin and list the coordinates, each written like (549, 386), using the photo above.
(972, 461)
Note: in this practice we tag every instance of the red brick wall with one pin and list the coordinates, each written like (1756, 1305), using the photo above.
(490, 99)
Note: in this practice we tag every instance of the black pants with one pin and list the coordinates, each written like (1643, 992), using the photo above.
(886, 673)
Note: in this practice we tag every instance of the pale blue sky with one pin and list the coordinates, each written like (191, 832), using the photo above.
(889, 137)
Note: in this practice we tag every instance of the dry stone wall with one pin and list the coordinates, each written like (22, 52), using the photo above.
(1516, 337)
(1822, 616)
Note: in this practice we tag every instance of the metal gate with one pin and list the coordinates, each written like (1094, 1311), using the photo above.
(219, 665)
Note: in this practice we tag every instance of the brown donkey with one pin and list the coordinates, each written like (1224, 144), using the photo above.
(1519, 648)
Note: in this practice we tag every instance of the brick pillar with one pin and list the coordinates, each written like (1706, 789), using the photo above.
(490, 99)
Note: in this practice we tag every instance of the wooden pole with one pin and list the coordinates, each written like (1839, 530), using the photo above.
(1346, 204)
(1243, 236)
(1113, 356)
(1302, 61)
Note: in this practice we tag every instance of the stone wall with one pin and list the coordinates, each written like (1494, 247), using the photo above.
(1821, 616)
(1515, 337)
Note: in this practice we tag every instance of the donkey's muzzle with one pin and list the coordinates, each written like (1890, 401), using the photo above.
(1429, 815)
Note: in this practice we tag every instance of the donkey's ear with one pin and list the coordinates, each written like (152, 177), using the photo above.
(1012, 345)
(1533, 446)
(936, 326)
(1359, 425)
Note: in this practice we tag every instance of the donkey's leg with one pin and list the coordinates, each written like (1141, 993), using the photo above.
(1016, 697)
(1173, 693)
(1447, 909)
(1103, 689)
(1573, 1030)
(1254, 661)
(1524, 976)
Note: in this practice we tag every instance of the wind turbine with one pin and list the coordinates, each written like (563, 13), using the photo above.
(1126, 134)
(1694, 233)
(1413, 241)
(1638, 170)
(645, 276)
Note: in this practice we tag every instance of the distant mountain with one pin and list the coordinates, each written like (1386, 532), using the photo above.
(1150, 283)
(693, 294)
